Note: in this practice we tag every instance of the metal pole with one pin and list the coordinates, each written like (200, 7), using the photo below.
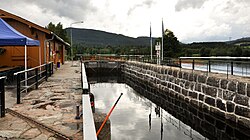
(71, 48)
(2, 96)
(18, 89)
(227, 71)
(209, 66)
(232, 68)
(193, 65)
(46, 72)
(71, 39)
(36, 71)
(108, 116)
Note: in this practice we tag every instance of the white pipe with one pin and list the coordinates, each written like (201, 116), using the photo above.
(25, 65)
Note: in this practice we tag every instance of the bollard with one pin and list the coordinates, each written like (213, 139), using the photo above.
(77, 113)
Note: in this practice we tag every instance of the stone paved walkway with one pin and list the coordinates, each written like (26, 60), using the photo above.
(53, 104)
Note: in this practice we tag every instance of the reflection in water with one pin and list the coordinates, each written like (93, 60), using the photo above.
(151, 117)
(149, 121)
(133, 118)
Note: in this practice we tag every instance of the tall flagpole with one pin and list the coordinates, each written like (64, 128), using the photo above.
(151, 42)
(162, 40)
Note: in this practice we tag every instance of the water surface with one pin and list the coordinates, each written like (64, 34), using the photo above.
(137, 118)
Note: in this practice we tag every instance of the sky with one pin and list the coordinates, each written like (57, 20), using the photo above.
(190, 20)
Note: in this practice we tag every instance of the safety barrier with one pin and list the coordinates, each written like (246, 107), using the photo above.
(89, 131)
(29, 78)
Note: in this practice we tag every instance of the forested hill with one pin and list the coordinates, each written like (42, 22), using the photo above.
(98, 38)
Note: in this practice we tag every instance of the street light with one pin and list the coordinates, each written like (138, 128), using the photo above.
(71, 37)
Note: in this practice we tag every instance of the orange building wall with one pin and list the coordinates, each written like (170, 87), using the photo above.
(14, 55)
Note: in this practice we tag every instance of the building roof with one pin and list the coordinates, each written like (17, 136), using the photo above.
(7, 15)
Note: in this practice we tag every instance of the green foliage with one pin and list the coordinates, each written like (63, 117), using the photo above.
(204, 52)
(207, 49)
(58, 30)
(171, 44)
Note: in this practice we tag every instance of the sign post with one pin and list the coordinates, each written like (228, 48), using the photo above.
(158, 52)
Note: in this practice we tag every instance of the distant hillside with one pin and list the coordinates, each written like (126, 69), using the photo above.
(241, 41)
(98, 38)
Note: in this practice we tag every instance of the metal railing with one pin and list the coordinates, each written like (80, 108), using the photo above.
(34, 77)
(227, 65)
(2, 96)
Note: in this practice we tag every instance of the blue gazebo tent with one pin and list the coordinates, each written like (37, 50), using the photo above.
(11, 37)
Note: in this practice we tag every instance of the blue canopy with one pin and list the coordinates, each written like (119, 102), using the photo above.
(11, 37)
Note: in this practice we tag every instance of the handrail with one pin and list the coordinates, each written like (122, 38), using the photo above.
(31, 69)
(214, 57)
(3, 77)
(37, 76)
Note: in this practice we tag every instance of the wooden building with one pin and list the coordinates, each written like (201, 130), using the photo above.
(52, 47)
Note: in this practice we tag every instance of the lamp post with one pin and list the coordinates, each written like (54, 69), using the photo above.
(71, 37)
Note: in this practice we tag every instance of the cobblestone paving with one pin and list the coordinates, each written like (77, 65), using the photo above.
(53, 104)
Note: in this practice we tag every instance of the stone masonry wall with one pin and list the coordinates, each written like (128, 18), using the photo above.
(227, 99)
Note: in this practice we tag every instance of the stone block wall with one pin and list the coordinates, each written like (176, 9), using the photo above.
(226, 99)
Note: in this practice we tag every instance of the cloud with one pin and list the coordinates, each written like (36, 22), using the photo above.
(185, 4)
(71, 9)
(190, 20)
(147, 3)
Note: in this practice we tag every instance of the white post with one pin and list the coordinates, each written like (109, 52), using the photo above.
(158, 52)
(25, 66)
(162, 40)
(151, 43)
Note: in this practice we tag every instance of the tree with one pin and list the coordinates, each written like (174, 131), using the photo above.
(58, 30)
(171, 44)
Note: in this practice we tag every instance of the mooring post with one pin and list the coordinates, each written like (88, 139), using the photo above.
(18, 90)
(77, 112)
(2, 96)
(36, 71)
